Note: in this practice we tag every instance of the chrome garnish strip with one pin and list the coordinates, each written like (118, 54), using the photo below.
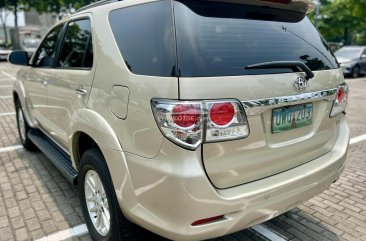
(256, 107)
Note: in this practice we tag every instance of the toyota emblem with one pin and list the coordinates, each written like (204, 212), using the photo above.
(300, 83)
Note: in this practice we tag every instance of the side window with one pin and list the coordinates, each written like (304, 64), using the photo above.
(145, 36)
(45, 55)
(77, 48)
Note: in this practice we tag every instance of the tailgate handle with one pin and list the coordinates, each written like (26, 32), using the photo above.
(295, 65)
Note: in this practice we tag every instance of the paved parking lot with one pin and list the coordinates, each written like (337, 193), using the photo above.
(36, 202)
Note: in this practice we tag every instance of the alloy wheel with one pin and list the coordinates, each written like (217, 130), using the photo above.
(97, 203)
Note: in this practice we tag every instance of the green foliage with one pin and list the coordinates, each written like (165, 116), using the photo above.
(60, 7)
(338, 20)
(343, 21)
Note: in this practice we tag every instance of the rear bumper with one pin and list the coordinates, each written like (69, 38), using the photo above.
(171, 194)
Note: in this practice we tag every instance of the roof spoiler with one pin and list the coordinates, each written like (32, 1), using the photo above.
(302, 6)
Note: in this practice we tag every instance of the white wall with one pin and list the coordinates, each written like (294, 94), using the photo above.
(21, 20)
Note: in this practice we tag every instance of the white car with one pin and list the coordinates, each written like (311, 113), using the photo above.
(4, 53)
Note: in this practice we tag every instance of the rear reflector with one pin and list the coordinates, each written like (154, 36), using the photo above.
(207, 220)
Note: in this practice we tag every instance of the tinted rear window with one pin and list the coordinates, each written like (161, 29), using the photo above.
(145, 37)
(221, 39)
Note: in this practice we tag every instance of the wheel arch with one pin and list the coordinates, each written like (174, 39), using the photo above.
(89, 129)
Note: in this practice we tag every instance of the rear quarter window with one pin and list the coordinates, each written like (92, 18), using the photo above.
(145, 36)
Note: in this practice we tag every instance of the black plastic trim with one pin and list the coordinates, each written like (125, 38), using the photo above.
(58, 157)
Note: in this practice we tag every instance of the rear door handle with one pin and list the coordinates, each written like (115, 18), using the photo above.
(43, 83)
(80, 91)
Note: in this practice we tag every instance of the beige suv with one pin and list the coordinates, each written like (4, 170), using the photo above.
(192, 119)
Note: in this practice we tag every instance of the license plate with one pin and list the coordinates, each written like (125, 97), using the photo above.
(292, 117)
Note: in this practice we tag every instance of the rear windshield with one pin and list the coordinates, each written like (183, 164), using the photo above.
(221, 39)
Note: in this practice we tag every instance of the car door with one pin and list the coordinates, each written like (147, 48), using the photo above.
(68, 91)
(40, 73)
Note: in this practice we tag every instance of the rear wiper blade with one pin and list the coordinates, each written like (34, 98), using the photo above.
(284, 64)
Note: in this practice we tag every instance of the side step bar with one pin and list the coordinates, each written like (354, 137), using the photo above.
(58, 157)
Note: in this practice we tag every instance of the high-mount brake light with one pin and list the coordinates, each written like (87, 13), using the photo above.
(340, 103)
(277, 1)
(186, 123)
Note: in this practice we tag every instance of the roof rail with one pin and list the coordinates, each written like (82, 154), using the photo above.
(96, 4)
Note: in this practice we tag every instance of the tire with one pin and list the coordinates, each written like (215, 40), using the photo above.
(355, 72)
(23, 128)
(93, 163)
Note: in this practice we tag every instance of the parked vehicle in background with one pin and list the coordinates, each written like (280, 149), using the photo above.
(335, 45)
(4, 51)
(30, 45)
(192, 119)
(352, 60)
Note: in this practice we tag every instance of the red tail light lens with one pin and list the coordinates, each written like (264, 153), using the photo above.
(185, 116)
(222, 114)
(340, 95)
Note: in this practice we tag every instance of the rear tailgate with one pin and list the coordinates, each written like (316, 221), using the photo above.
(264, 153)
(215, 42)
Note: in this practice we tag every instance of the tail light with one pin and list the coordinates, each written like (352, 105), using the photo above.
(226, 121)
(340, 103)
(180, 122)
(190, 123)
